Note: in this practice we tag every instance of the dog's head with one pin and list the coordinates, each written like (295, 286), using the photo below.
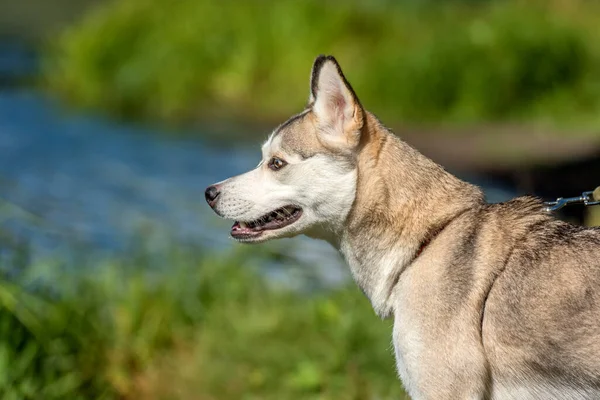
(306, 180)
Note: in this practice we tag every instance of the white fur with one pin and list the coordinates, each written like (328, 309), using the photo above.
(323, 189)
(530, 390)
(379, 288)
(404, 340)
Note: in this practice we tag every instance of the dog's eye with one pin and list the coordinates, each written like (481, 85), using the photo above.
(276, 163)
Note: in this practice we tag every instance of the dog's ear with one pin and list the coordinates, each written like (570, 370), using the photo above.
(339, 113)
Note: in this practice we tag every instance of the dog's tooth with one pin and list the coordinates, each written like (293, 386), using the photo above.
(243, 225)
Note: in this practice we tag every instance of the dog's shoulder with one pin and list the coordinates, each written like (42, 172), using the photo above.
(546, 301)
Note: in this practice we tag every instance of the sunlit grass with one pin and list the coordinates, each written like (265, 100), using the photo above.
(453, 63)
(202, 327)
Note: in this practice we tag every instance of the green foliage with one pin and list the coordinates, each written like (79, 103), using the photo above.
(205, 327)
(454, 62)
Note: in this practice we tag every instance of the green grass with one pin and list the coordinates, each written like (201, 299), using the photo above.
(458, 62)
(201, 327)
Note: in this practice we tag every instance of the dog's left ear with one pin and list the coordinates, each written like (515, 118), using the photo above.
(339, 113)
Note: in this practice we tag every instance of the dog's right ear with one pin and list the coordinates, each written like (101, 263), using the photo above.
(339, 114)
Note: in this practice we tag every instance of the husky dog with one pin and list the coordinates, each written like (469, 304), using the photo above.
(490, 301)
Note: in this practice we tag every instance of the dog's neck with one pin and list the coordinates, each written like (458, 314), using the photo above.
(403, 199)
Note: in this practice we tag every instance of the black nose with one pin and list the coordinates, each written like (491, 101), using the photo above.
(211, 195)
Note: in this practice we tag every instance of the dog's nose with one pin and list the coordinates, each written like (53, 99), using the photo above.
(211, 194)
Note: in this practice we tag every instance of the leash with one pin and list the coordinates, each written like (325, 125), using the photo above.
(586, 198)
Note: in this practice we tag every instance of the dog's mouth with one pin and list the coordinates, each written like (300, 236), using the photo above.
(277, 219)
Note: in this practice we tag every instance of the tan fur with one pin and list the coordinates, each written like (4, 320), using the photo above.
(490, 301)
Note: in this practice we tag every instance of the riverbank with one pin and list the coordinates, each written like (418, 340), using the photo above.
(458, 64)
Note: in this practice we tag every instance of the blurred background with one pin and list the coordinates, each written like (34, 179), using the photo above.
(118, 282)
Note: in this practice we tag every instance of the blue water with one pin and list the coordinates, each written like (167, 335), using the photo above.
(73, 180)
(69, 181)
(97, 182)
(16, 61)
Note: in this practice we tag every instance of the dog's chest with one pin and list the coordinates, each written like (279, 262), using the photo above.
(407, 349)
(437, 348)
(375, 272)
(411, 339)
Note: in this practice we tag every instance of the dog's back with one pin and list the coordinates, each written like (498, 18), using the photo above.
(541, 319)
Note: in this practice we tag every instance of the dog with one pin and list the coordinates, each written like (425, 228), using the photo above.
(489, 301)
